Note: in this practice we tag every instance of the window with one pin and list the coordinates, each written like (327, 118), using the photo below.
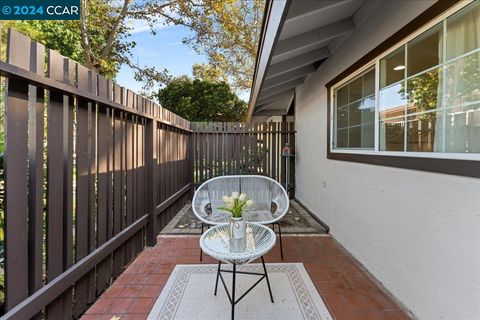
(424, 97)
(355, 113)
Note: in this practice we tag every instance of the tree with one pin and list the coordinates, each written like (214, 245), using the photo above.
(225, 31)
(198, 100)
(208, 72)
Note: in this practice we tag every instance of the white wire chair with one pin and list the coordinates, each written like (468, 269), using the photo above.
(271, 201)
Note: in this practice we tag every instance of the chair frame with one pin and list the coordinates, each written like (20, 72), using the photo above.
(273, 222)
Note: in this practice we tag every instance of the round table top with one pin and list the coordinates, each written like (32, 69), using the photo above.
(216, 243)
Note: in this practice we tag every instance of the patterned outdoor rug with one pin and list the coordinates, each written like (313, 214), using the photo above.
(188, 294)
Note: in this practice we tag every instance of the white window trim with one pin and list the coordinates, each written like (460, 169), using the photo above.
(375, 62)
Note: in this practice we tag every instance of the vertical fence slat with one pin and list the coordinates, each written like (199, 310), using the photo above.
(92, 182)
(68, 152)
(151, 181)
(104, 185)
(36, 127)
(118, 188)
(56, 180)
(84, 212)
(162, 173)
(292, 160)
(16, 174)
(129, 183)
(283, 160)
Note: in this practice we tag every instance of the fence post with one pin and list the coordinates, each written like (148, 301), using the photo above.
(151, 165)
(191, 159)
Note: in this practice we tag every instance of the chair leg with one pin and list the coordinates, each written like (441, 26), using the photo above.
(218, 276)
(233, 290)
(280, 236)
(201, 252)
(266, 278)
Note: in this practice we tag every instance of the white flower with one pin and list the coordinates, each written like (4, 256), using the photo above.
(235, 195)
(249, 203)
(230, 204)
(226, 199)
(243, 197)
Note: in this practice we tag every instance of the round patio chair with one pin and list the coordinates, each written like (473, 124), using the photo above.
(270, 199)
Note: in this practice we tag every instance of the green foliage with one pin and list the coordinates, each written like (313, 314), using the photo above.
(208, 72)
(227, 32)
(237, 204)
(66, 37)
(198, 100)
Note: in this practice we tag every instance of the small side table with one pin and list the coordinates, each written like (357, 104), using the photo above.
(216, 243)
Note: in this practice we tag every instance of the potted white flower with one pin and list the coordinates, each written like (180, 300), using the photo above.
(237, 204)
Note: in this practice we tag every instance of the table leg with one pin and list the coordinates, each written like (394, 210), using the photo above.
(218, 275)
(266, 277)
(201, 252)
(233, 290)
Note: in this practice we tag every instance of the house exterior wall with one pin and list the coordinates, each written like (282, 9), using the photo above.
(417, 232)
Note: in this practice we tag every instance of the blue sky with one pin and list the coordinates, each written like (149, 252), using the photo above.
(164, 50)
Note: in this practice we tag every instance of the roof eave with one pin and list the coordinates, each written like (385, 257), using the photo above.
(274, 17)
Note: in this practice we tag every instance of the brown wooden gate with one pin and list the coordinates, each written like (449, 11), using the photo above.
(226, 148)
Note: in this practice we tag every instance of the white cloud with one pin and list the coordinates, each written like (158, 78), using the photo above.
(139, 26)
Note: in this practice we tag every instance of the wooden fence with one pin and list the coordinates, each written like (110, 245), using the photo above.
(224, 148)
(92, 171)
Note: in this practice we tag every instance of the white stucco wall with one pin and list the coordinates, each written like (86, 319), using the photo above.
(417, 232)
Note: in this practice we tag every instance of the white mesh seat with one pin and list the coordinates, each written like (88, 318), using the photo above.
(270, 200)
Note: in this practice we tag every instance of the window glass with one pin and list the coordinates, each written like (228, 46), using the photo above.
(355, 113)
(424, 51)
(367, 106)
(342, 138)
(369, 84)
(392, 67)
(462, 81)
(462, 129)
(342, 96)
(355, 90)
(342, 117)
(463, 31)
(368, 136)
(421, 134)
(392, 102)
(392, 134)
(424, 92)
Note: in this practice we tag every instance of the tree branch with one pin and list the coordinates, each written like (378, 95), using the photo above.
(87, 50)
(113, 34)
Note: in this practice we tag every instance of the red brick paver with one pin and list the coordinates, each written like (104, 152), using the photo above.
(348, 291)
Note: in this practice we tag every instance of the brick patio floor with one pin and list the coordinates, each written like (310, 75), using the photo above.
(348, 291)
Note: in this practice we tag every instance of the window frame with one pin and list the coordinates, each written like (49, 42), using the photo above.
(460, 164)
(375, 63)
